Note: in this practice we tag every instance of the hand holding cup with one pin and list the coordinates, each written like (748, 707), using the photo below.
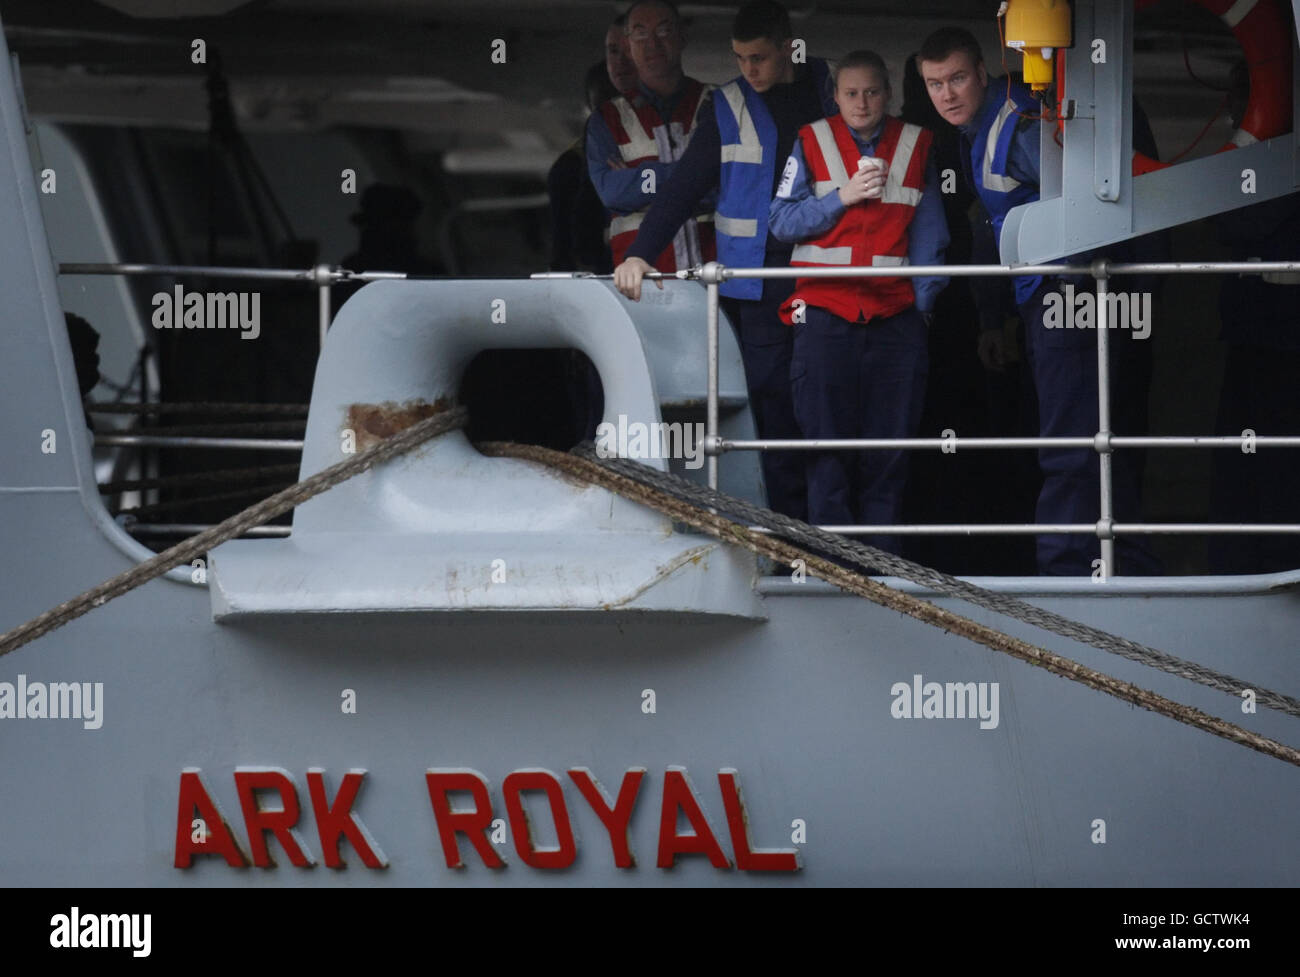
(868, 183)
(877, 170)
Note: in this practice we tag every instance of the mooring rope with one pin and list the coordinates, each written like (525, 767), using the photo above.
(703, 509)
(875, 560)
(182, 553)
(631, 480)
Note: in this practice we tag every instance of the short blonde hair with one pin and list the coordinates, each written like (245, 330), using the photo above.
(862, 59)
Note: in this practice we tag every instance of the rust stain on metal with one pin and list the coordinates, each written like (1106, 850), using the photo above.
(374, 422)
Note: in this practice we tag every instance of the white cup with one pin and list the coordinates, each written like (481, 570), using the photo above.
(873, 163)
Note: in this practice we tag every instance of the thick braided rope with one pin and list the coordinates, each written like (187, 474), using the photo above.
(182, 553)
(722, 528)
(875, 560)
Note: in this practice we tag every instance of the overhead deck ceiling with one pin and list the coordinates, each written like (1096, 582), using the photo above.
(382, 62)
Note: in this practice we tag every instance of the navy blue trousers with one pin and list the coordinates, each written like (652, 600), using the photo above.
(859, 380)
(766, 344)
(1064, 367)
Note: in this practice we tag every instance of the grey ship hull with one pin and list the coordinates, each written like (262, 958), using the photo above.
(788, 684)
(799, 705)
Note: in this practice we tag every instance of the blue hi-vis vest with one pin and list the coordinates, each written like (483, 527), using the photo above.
(988, 160)
(748, 136)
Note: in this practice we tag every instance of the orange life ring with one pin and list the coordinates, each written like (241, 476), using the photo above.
(1264, 34)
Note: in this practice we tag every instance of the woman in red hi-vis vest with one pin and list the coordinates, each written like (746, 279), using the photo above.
(859, 190)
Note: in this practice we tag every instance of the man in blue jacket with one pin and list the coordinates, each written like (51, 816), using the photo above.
(1001, 163)
(737, 149)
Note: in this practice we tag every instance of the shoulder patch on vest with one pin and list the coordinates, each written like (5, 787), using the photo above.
(787, 178)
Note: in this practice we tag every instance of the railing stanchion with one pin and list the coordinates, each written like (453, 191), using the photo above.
(712, 274)
(1106, 515)
(711, 278)
(324, 282)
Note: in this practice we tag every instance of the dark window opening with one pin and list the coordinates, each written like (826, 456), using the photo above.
(547, 397)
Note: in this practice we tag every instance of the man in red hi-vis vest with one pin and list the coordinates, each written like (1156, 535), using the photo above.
(634, 140)
(859, 189)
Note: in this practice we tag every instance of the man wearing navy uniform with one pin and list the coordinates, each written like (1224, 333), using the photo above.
(1001, 162)
(634, 141)
(737, 150)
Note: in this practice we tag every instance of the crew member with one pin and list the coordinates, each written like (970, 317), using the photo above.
(388, 236)
(1001, 162)
(577, 217)
(967, 486)
(735, 151)
(859, 189)
(618, 56)
(634, 140)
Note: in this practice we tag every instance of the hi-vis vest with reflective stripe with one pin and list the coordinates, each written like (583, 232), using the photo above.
(873, 232)
(643, 137)
(988, 158)
(748, 171)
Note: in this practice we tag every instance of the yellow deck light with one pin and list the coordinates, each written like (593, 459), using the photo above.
(1037, 28)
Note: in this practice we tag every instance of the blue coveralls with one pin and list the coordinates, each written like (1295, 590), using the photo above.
(1063, 361)
(736, 149)
(859, 379)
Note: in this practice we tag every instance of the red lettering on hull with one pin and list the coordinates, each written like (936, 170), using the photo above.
(680, 796)
(474, 824)
(280, 822)
(561, 856)
(616, 816)
(337, 822)
(210, 834)
(217, 836)
(748, 858)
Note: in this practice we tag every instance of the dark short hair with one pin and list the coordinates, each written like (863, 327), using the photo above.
(862, 59)
(762, 19)
(946, 41)
(672, 8)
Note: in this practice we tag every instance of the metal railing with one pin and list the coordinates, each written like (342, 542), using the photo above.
(1104, 441)
(712, 275)
(322, 277)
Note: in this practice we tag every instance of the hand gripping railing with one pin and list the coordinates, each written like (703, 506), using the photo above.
(323, 277)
